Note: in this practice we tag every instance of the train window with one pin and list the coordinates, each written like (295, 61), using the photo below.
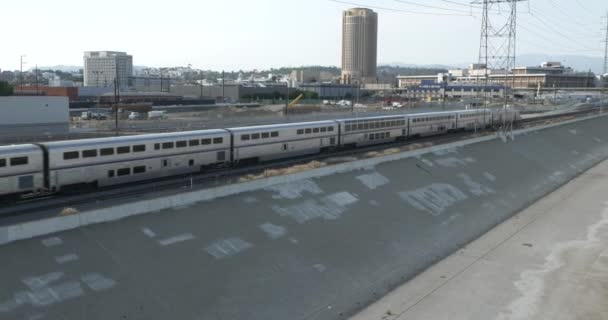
(110, 173)
(388, 134)
(19, 161)
(315, 130)
(300, 131)
(123, 172)
(70, 155)
(191, 162)
(194, 143)
(168, 145)
(218, 140)
(308, 131)
(330, 129)
(245, 137)
(255, 136)
(106, 151)
(157, 146)
(323, 129)
(360, 126)
(181, 144)
(347, 128)
(139, 148)
(366, 126)
(208, 141)
(265, 135)
(274, 134)
(89, 153)
(2, 163)
(123, 150)
(140, 169)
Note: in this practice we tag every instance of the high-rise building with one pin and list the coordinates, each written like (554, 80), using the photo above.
(102, 68)
(359, 46)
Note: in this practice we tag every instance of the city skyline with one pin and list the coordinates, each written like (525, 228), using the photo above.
(235, 34)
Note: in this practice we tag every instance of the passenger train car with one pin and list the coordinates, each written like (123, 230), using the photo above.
(110, 161)
(57, 166)
(21, 169)
(374, 130)
(272, 142)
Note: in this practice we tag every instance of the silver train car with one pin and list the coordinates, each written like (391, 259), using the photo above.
(110, 161)
(21, 169)
(56, 166)
(426, 124)
(279, 141)
(373, 130)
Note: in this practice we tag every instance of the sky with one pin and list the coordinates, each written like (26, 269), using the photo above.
(259, 34)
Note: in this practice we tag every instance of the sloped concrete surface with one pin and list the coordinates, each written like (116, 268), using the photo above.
(317, 248)
(550, 261)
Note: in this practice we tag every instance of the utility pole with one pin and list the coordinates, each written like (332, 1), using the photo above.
(201, 86)
(36, 79)
(223, 82)
(116, 99)
(21, 71)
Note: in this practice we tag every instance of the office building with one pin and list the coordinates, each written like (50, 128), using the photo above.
(359, 46)
(102, 68)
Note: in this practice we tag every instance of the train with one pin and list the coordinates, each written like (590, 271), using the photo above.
(53, 167)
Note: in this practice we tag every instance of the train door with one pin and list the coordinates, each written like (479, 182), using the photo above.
(26, 182)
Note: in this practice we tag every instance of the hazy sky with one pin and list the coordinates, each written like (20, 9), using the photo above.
(246, 34)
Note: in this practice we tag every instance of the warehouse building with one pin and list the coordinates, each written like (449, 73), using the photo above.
(33, 118)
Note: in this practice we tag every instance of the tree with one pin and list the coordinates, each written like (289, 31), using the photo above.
(5, 89)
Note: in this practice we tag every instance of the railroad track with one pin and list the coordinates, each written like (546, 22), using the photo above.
(51, 205)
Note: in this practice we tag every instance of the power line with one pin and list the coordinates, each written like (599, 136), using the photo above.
(550, 29)
(431, 7)
(461, 4)
(553, 42)
(400, 10)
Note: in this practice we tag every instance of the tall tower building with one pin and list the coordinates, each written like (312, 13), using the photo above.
(359, 46)
(101, 68)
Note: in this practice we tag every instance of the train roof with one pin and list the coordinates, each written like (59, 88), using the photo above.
(132, 139)
(12, 149)
(284, 125)
(375, 118)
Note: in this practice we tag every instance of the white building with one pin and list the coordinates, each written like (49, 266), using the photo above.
(102, 68)
(32, 118)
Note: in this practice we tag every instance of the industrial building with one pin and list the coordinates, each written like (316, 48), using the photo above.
(440, 91)
(34, 117)
(330, 90)
(359, 46)
(102, 68)
(547, 75)
(310, 76)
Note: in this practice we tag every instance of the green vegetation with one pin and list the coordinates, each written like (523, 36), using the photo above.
(5, 89)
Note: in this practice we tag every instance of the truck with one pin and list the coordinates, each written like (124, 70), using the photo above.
(157, 115)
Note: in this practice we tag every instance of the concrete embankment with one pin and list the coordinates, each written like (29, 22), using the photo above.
(319, 244)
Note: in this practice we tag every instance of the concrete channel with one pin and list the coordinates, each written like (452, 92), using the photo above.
(320, 244)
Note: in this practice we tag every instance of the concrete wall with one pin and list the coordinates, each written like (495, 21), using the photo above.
(26, 117)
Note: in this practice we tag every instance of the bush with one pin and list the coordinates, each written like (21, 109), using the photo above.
(5, 89)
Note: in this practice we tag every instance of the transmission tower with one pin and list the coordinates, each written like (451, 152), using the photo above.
(497, 45)
(606, 48)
